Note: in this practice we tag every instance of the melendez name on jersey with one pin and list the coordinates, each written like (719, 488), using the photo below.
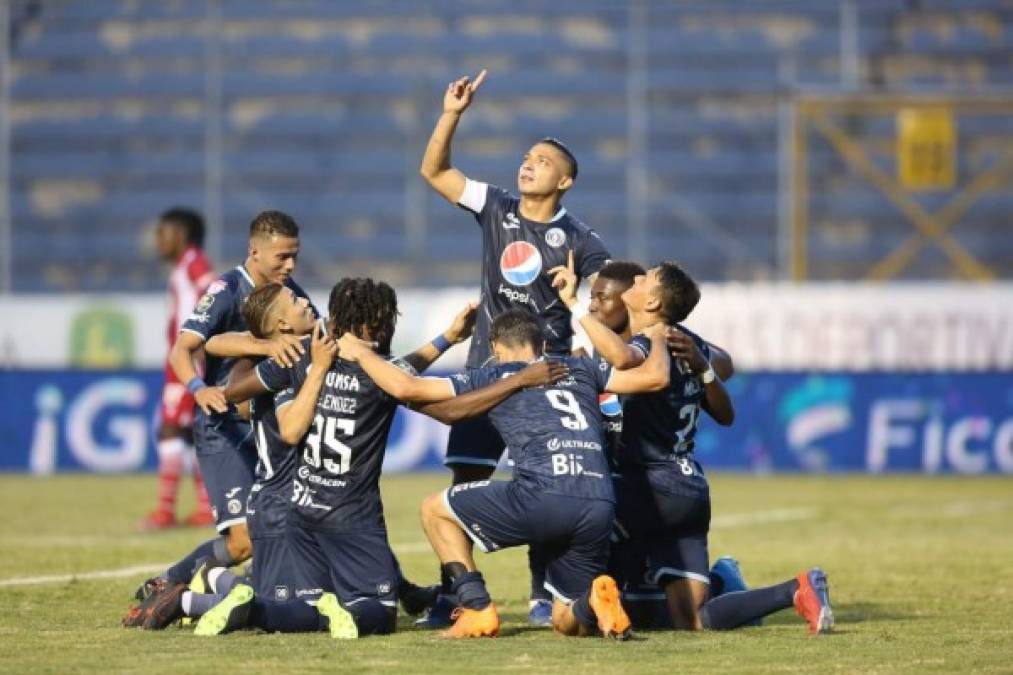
(220, 310)
(517, 253)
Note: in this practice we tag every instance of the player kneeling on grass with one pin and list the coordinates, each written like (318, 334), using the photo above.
(560, 496)
(337, 539)
(663, 504)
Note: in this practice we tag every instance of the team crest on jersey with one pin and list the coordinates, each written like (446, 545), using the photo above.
(204, 304)
(555, 237)
(521, 263)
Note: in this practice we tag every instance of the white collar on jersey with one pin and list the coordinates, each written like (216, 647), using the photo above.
(559, 214)
(242, 270)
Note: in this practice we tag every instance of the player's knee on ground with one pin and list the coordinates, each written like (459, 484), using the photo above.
(470, 473)
(237, 539)
(564, 622)
(685, 597)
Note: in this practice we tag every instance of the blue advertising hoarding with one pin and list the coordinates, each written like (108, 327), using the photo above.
(931, 423)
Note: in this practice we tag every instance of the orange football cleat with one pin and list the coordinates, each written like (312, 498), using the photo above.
(812, 600)
(612, 619)
(473, 623)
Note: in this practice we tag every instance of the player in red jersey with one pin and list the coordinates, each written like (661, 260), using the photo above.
(179, 237)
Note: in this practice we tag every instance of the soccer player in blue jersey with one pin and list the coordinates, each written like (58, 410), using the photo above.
(223, 439)
(336, 534)
(560, 496)
(662, 496)
(522, 236)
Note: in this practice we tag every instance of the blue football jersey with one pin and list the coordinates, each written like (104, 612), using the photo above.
(337, 474)
(516, 254)
(275, 465)
(554, 433)
(220, 311)
(660, 427)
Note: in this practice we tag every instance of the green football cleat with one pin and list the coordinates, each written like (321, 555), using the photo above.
(342, 623)
(229, 614)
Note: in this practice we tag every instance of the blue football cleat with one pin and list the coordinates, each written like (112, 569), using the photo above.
(540, 613)
(727, 570)
(438, 615)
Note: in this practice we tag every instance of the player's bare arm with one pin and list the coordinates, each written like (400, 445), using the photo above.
(295, 418)
(244, 386)
(482, 400)
(716, 401)
(390, 378)
(285, 348)
(721, 360)
(210, 399)
(606, 342)
(654, 374)
(460, 330)
(436, 167)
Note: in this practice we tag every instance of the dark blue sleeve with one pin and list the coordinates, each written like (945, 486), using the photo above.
(642, 343)
(273, 375)
(213, 313)
(492, 212)
(284, 396)
(476, 378)
(591, 255)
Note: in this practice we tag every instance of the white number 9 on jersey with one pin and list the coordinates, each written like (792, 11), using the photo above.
(565, 401)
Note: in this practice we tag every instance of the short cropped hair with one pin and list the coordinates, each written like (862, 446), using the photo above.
(191, 222)
(271, 223)
(570, 157)
(257, 308)
(677, 291)
(516, 328)
(622, 271)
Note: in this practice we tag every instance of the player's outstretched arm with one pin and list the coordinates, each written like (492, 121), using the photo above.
(295, 417)
(436, 167)
(652, 375)
(284, 347)
(722, 362)
(716, 401)
(243, 386)
(390, 378)
(210, 399)
(460, 330)
(482, 400)
(606, 343)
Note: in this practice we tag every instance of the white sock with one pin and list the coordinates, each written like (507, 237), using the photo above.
(213, 576)
(185, 601)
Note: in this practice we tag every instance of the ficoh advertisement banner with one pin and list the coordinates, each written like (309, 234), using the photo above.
(836, 422)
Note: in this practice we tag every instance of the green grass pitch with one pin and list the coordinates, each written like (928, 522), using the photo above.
(921, 573)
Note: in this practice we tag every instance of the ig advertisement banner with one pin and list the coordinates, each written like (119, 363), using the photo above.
(848, 422)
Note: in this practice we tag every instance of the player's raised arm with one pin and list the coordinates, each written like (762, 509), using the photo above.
(654, 374)
(460, 330)
(390, 378)
(283, 347)
(607, 344)
(484, 399)
(716, 401)
(210, 399)
(296, 416)
(436, 167)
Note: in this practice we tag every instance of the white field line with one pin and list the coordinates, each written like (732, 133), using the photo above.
(719, 522)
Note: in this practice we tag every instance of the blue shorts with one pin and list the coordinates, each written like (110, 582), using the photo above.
(573, 533)
(355, 566)
(267, 511)
(273, 568)
(668, 527)
(474, 441)
(227, 459)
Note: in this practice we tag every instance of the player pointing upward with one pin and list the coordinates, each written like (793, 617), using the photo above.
(522, 237)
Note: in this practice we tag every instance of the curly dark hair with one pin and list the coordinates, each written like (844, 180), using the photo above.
(189, 220)
(365, 308)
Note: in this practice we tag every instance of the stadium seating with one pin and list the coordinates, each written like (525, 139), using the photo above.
(323, 110)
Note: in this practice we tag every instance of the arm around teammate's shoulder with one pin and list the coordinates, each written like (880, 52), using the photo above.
(654, 374)
(393, 380)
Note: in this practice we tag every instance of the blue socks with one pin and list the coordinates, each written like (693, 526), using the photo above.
(183, 571)
(734, 609)
(536, 565)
